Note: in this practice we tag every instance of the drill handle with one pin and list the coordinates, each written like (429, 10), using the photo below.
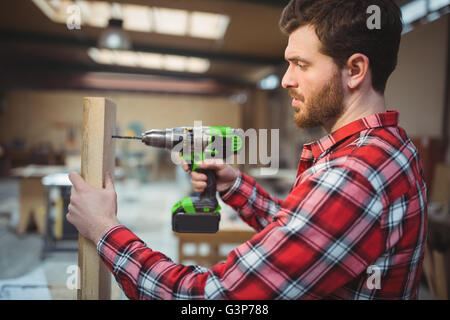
(211, 186)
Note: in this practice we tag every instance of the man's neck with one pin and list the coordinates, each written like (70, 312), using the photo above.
(357, 107)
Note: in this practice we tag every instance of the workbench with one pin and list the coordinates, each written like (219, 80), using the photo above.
(231, 232)
(33, 196)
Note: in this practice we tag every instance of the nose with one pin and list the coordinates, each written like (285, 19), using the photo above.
(288, 80)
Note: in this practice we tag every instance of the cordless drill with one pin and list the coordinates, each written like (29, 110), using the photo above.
(196, 214)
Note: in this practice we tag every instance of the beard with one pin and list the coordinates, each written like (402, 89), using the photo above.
(323, 106)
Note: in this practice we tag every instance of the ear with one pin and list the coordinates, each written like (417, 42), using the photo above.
(357, 69)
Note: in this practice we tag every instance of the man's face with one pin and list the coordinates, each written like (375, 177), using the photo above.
(313, 80)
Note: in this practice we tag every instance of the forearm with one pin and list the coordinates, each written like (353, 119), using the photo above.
(253, 204)
(146, 274)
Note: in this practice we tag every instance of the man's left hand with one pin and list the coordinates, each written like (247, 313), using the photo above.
(92, 211)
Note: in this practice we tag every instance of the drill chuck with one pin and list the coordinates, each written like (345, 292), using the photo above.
(155, 138)
(161, 138)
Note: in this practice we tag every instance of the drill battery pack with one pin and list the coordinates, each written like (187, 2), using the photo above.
(195, 222)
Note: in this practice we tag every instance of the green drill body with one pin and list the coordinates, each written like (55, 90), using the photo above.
(197, 214)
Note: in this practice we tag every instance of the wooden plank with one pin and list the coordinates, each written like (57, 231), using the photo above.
(440, 191)
(32, 200)
(97, 158)
(440, 279)
(428, 270)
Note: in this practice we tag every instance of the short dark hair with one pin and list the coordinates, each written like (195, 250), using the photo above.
(341, 26)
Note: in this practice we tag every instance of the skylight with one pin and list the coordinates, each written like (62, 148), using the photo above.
(208, 25)
(414, 11)
(94, 14)
(170, 21)
(139, 18)
(418, 9)
(149, 60)
(438, 4)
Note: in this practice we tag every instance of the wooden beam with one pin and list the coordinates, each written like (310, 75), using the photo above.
(124, 79)
(428, 270)
(83, 43)
(97, 158)
(440, 279)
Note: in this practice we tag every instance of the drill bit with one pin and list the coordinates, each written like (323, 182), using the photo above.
(126, 137)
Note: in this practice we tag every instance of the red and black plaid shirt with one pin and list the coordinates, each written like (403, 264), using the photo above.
(352, 227)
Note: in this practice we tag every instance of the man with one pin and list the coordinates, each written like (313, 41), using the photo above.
(353, 225)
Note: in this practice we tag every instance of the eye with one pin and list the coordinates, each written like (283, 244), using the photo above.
(301, 66)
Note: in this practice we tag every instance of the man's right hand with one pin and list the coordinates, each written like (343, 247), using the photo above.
(226, 175)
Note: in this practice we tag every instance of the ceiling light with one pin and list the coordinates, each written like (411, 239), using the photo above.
(102, 56)
(95, 14)
(114, 37)
(197, 65)
(126, 58)
(149, 60)
(137, 18)
(174, 63)
(238, 98)
(270, 82)
(208, 25)
(140, 18)
(170, 21)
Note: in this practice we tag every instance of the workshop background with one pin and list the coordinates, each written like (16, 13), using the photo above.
(168, 63)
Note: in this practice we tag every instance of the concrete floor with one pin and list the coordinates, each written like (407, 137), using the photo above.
(144, 208)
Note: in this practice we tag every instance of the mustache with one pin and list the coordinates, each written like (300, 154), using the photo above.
(295, 95)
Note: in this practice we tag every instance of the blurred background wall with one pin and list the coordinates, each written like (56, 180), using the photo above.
(54, 117)
(417, 88)
(169, 63)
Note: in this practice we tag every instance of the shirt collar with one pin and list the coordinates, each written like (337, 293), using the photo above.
(388, 118)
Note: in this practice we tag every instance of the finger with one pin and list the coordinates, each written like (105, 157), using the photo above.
(109, 183)
(73, 196)
(72, 211)
(77, 181)
(217, 161)
(196, 182)
(198, 190)
(211, 164)
(198, 176)
(199, 185)
(73, 192)
(71, 217)
(185, 166)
